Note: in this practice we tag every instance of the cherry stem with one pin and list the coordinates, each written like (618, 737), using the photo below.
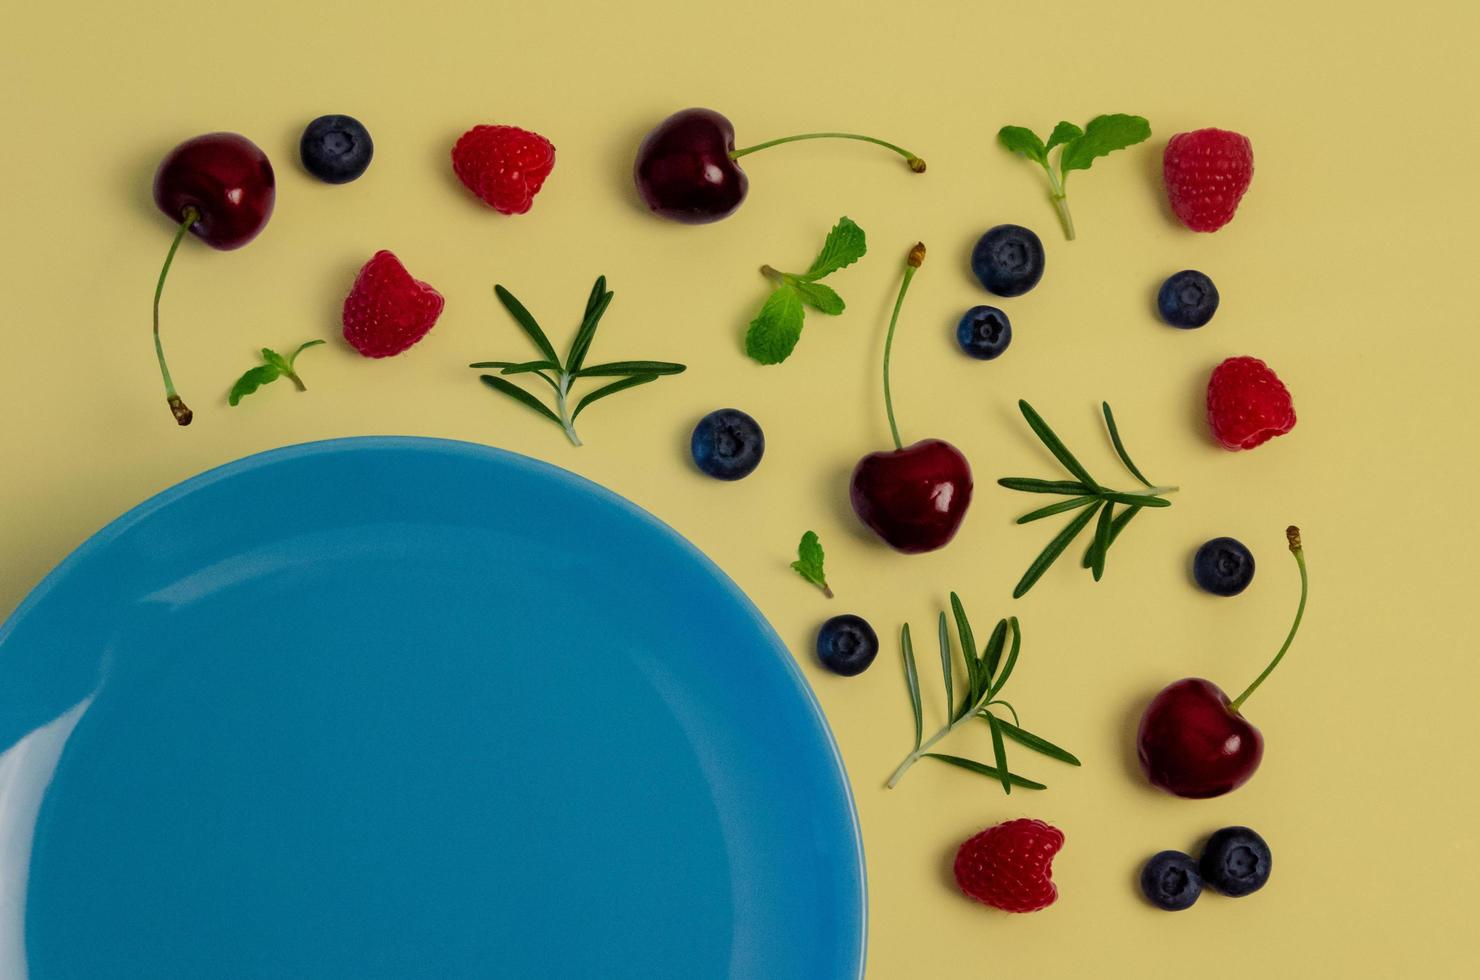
(916, 256)
(916, 164)
(1293, 534)
(182, 414)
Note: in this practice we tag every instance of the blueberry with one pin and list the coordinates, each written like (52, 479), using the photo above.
(847, 644)
(336, 149)
(1170, 880)
(984, 332)
(1187, 299)
(1236, 861)
(1223, 566)
(727, 444)
(1008, 260)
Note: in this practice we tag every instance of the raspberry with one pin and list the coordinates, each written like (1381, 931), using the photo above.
(1010, 866)
(386, 310)
(503, 165)
(1206, 173)
(1247, 404)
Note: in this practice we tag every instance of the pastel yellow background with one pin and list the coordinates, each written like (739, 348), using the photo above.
(1350, 268)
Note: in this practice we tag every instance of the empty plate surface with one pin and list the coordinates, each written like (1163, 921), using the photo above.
(394, 707)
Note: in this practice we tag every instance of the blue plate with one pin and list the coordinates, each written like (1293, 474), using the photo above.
(411, 708)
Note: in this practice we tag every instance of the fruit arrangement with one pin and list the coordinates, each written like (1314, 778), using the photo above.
(1192, 741)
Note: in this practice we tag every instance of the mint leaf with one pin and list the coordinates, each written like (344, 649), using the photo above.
(845, 245)
(775, 332)
(1020, 139)
(1079, 148)
(821, 298)
(1064, 132)
(293, 358)
(1103, 135)
(252, 380)
(274, 366)
(809, 562)
(277, 360)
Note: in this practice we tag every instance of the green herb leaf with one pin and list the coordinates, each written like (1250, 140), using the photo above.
(1020, 139)
(527, 323)
(293, 358)
(1103, 135)
(968, 648)
(1026, 485)
(999, 751)
(618, 368)
(277, 360)
(1135, 499)
(1064, 132)
(519, 395)
(912, 679)
(611, 389)
(1055, 446)
(1012, 658)
(525, 367)
(252, 380)
(821, 298)
(809, 562)
(845, 245)
(774, 333)
(993, 652)
(1116, 526)
(1102, 541)
(1052, 551)
(946, 670)
(596, 306)
(1058, 508)
(985, 770)
(1042, 745)
(1120, 446)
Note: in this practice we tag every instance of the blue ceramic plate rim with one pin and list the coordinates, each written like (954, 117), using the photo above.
(106, 535)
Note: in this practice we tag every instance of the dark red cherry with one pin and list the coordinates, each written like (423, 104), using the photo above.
(684, 171)
(914, 498)
(1192, 743)
(226, 179)
(1193, 740)
(686, 168)
(219, 187)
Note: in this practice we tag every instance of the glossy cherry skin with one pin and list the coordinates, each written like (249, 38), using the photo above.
(684, 171)
(914, 498)
(227, 179)
(1193, 744)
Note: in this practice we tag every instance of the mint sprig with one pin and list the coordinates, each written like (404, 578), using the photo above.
(987, 674)
(273, 366)
(1093, 501)
(1080, 149)
(774, 333)
(561, 376)
(809, 562)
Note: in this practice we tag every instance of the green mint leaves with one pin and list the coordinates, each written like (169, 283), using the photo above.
(562, 376)
(986, 675)
(274, 366)
(809, 562)
(774, 333)
(1080, 148)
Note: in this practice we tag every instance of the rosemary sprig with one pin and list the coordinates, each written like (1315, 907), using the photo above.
(561, 376)
(986, 676)
(1092, 501)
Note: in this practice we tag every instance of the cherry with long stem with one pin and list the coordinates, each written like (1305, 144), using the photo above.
(915, 163)
(912, 263)
(1292, 534)
(178, 408)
